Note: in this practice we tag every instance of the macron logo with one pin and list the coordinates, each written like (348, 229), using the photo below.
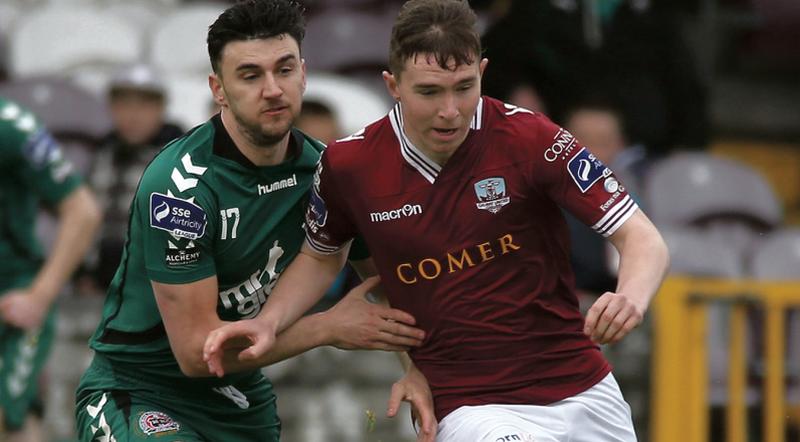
(405, 211)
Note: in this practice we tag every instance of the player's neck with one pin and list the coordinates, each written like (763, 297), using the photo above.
(259, 155)
(438, 157)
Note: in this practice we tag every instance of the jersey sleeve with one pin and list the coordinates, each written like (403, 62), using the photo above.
(327, 225)
(577, 180)
(178, 224)
(37, 155)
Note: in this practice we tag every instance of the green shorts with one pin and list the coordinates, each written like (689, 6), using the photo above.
(24, 355)
(143, 411)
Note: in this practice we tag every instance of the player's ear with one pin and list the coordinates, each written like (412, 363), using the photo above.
(215, 84)
(482, 65)
(391, 85)
(303, 68)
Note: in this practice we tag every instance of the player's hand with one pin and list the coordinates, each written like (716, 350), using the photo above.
(413, 388)
(20, 309)
(612, 317)
(252, 337)
(357, 323)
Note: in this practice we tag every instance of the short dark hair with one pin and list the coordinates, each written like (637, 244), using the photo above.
(316, 108)
(442, 28)
(255, 20)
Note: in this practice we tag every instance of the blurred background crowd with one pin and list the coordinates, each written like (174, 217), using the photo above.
(695, 103)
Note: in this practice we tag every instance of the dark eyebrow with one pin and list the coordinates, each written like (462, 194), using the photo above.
(255, 67)
(436, 86)
(248, 67)
(286, 58)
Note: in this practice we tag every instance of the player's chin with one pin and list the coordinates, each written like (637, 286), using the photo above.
(445, 148)
(276, 129)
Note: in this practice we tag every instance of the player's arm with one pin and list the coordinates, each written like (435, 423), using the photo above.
(78, 218)
(276, 333)
(301, 286)
(644, 260)
(189, 313)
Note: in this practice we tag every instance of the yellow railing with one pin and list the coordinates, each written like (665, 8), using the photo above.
(680, 410)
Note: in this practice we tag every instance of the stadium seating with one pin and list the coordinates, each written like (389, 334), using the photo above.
(354, 104)
(66, 109)
(189, 100)
(778, 256)
(75, 37)
(9, 13)
(778, 163)
(143, 14)
(343, 40)
(693, 252)
(689, 187)
(178, 44)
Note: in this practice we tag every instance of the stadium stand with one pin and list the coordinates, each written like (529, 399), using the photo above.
(689, 187)
(335, 40)
(68, 110)
(178, 44)
(778, 163)
(355, 104)
(72, 41)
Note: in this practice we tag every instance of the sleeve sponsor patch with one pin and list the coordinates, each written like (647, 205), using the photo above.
(317, 213)
(585, 169)
(177, 257)
(42, 149)
(177, 216)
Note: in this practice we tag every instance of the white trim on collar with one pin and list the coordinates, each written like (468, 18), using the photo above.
(428, 168)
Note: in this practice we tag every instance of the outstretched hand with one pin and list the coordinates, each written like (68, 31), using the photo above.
(357, 323)
(20, 309)
(611, 318)
(248, 335)
(413, 388)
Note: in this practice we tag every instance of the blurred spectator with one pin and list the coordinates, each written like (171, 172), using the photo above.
(33, 171)
(318, 120)
(623, 47)
(137, 99)
(599, 127)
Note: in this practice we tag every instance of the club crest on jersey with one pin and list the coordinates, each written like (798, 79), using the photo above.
(491, 194)
(177, 216)
(156, 422)
(585, 169)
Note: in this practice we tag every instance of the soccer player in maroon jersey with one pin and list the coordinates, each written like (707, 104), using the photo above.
(457, 196)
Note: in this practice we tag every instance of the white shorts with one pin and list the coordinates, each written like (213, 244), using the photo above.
(599, 414)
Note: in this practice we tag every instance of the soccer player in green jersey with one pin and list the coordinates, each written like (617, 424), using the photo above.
(217, 217)
(33, 171)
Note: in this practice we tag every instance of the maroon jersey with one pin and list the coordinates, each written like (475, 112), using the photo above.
(477, 250)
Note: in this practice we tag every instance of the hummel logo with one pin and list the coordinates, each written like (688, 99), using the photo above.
(183, 183)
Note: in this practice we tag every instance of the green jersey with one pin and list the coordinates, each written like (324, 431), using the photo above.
(202, 209)
(32, 171)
